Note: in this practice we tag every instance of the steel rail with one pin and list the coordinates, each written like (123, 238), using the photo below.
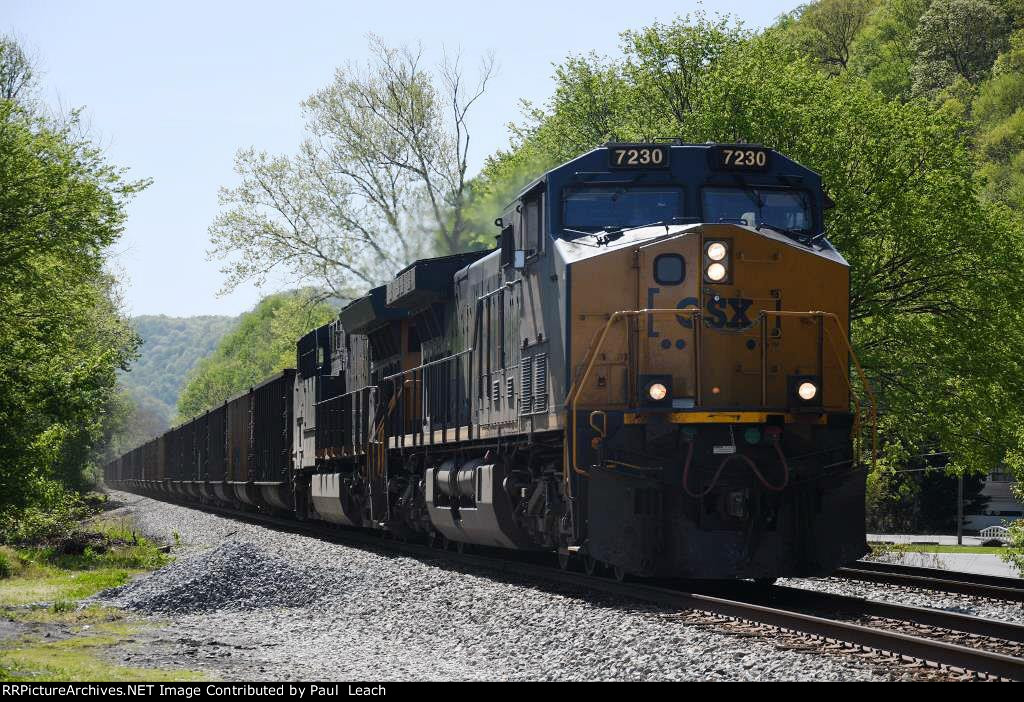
(927, 616)
(958, 575)
(931, 651)
(933, 579)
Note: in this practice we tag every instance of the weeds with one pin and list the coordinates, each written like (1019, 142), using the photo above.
(57, 523)
(111, 552)
(1014, 554)
(52, 563)
(896, 553)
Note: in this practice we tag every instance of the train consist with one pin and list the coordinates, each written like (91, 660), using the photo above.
(650, 372)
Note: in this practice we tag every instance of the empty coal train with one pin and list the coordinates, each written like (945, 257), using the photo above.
(650, 372)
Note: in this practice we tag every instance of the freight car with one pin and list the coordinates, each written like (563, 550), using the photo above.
(649, 372)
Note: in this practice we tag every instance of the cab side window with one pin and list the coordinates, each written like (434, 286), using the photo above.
(533, 224)
(508, 245)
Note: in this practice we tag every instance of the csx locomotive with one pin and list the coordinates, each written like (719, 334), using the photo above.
(649, 373)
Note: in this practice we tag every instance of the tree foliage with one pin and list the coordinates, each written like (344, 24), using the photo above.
(170, 348)
(828, 29)
(882, 53)
(379, 181)
(261, 344)
(957, 38)
(61, 329)
(999, 114)
(921, 501)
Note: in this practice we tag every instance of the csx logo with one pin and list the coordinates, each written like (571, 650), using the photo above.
(719, 312)
(730, 312)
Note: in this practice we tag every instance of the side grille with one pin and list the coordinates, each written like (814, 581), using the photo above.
(540, 383)
(526, 386)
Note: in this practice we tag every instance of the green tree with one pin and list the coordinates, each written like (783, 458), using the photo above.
(957, 38)
(826, 30)
(999, 114)
(17, 73)
(171, 347)
(61, 330)
(882, 53)
(261, 344)
(379, 180)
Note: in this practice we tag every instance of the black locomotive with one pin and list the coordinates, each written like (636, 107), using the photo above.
(650, 371)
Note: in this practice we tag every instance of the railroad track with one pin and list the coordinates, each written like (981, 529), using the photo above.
(989, 586)
(777, 606)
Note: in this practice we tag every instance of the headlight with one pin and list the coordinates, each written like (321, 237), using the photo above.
(716, 271)
(716, 251)
(807, 391)
(657, 391)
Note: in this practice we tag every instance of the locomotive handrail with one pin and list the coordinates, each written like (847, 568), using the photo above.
(419, 369)
(370, 392)
(336, 398)
(572, 397)
(821, 315)
(576, 389)
(436, 361)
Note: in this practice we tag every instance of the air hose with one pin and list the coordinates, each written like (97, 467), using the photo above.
(725, 461)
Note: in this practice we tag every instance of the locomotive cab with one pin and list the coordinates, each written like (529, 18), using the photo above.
(704, 395)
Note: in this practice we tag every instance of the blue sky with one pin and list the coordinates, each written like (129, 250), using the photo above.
(173, 89)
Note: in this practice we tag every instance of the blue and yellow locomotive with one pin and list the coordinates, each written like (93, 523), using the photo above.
(649, 372)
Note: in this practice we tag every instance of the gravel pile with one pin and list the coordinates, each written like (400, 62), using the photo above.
(233, 576)
(374, 616)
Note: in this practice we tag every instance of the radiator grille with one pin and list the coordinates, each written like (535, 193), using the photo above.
(540, 383)
(526, 386)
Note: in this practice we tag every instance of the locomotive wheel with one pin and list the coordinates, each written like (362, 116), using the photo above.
(461, 547)
(446, 545)
(590, 564)
(565, 561)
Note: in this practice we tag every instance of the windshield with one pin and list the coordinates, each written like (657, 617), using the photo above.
(755, 207)
(616, 208)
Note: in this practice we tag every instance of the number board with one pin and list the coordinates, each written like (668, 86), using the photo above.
(740, 157)
(638, 156)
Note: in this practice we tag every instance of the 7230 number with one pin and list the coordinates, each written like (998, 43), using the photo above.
(743, 158)
(639, 157)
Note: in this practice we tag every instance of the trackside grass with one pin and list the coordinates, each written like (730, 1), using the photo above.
(45, 632)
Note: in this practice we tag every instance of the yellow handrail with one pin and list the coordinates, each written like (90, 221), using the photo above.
(856, 362)
(572, 397)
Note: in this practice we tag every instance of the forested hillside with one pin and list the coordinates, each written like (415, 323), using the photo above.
(260, 344)
(171, 347)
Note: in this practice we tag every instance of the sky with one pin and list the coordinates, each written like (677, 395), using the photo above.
(172, 90)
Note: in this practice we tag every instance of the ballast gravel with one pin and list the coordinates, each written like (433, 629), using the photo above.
(245, 602)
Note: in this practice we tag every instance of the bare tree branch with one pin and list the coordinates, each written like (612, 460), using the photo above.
(380, 180)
